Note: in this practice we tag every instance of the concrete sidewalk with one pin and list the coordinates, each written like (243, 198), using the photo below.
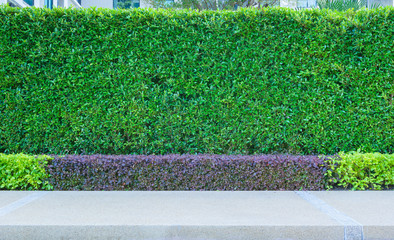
(197, 215)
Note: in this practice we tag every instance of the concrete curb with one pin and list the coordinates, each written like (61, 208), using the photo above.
(197, 215)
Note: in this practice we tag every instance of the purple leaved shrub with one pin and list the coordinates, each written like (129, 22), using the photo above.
(187, 172)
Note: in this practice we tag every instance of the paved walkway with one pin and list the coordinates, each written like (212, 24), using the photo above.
(197, 215)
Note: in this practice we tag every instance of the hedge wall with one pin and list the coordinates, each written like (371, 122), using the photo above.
(164, 81)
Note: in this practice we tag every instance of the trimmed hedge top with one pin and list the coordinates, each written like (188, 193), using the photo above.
(164, 81)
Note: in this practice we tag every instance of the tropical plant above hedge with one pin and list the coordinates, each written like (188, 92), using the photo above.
(201, 172)
(141, 81)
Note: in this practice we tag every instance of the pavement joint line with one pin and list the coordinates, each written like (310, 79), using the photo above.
(21, 202)
(353, 230)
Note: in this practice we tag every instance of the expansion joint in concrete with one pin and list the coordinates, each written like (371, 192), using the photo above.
(21, 202)
(352, 229)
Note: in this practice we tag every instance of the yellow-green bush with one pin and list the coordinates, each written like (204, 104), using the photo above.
(24, 172)
(361, 171)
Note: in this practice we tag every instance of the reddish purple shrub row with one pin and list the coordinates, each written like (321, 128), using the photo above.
(187, 172)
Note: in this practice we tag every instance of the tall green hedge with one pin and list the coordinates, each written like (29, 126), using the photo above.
(165, 81)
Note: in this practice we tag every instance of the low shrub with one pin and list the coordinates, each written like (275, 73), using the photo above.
(187, 172)
(24, 172)
(360, 171)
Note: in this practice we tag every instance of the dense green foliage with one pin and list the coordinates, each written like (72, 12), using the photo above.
(24, 172)
(361, 171)
(165, 81)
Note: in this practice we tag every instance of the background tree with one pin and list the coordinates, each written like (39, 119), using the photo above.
(124, 4)
(211, 4)
(343, 5)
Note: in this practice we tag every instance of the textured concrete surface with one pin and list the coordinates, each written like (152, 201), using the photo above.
(374, 210)
(367, 207)
(196, 215)
(11, 196)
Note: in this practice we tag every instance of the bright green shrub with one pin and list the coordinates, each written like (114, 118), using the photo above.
(25, 172)
(361, 171)
(165, 81)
